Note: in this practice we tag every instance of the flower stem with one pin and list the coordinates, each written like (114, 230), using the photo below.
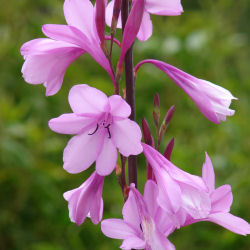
(130, 92)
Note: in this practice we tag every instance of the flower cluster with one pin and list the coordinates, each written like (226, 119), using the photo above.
(102, 125)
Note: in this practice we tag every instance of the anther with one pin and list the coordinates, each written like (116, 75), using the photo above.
(97, 126)
(107, 127)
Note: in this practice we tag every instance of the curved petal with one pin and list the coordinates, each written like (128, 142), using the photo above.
(208, 174)
(231, 222)
(70, 123)
(164, 7)
(106, 161)
(133, 242)
(222, 199)
(80, 14)
(119, 107)
(81, 151)
(196, 202)
(146, 29)
(130, 212)
(67, 34)
(150, 194)
(127, 137)
(84, 99)
(116, 229)
(49, 68)
(42, 46)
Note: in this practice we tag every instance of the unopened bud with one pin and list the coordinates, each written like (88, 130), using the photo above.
(156, 111)
(146, 133)
(169, 149)
(169, 114)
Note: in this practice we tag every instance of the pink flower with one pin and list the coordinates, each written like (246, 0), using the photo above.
(212, 100)
(144, 225)
(46, 60)
(86, 200)
(200, 201)
(101, 125)
(155, 7)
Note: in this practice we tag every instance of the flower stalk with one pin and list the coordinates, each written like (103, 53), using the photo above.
(130, 91)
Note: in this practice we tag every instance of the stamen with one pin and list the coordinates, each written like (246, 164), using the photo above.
(141, 227)
(107, 127)
(97, 126)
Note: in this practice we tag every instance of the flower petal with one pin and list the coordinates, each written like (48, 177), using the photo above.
(116, 229)
(133, 242)
(67, 34)
(130, 212)
(106, 161)
(80, 14)
(150, 194)
(70, 123)
(127, 136)
(231, 222)
(164, 8)
(81, 151)
(84, 99)
(208, 174)
(146, 29)
(222, 199)
(119, 107)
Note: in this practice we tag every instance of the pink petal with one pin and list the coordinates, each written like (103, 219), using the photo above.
(106, 161)
(208, 174)
(130, 212)
(70, 123)
(222, 199)
(49, 68)
(67, 34)
(81, 151)
(116, 229)
(146, 28)
(150, 194)
(127, 137)
(80, 14)
(169, 192)
(231, 222)
(133, 242)
(195, 202)
(119, 107)
(84, 99)
(42, 46)
(212, 100)
(164, 7)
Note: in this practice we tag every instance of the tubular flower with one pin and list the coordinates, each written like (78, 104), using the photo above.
(212, 100)
(101, 125)
(86, 200)
(200, 201)
(46, 60)
(143, 226)
(155, 7)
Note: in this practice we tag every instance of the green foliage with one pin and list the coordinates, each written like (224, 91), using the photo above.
(210, 41)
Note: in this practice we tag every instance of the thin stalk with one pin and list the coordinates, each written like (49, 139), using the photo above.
(130, 92)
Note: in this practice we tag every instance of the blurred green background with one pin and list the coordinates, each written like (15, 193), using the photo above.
(210, 40)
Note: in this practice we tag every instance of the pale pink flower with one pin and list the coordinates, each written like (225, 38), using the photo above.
(200, 201)
(86, 200)
(155, 7)
(212, 100)
(46, 60)
(101, 125)
(144, 225)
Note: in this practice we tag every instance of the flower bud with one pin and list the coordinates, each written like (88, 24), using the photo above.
(169, 149)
